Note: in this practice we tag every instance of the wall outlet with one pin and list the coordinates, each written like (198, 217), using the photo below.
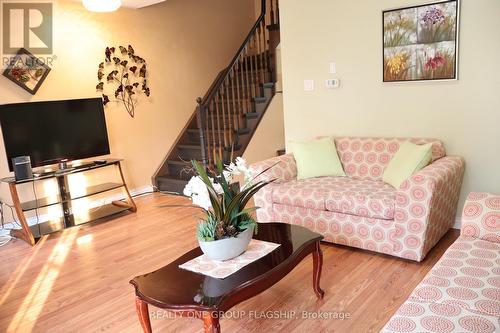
(308, 85)
(332, 83)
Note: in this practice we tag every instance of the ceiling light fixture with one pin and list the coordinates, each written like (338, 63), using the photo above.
(102, 6)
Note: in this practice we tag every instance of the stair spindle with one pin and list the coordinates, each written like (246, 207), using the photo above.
(260, 54)
(242, 82)
(277, 12)
(200, 120)
(248, 87)
(229, 118)
(256, 64)
(272, 12)
(214, 119)
(241, 107)
(235, 108)
(252, 72)
(265, 44)
(224, 123)
(208, 142)
(217, 122)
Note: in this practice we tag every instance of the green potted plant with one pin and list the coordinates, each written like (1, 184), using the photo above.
(227, 226)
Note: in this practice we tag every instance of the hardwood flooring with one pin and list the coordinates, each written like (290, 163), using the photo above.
(77, 281)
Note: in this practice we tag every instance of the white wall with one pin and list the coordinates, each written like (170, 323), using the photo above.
(465, 114)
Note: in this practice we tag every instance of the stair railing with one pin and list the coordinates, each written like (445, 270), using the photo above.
(221, 112)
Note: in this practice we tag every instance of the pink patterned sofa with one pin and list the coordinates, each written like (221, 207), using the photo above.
(462, 291)
(360, 210)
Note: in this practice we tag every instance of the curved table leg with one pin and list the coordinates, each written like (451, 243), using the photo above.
(211, 323)
(317, 267)
(143, 313)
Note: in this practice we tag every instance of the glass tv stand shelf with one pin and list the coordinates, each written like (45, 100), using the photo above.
(31, 234)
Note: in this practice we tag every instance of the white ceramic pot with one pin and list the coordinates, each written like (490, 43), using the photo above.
(227, 248)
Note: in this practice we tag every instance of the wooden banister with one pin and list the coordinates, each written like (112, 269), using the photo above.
(242, 47)
(220, 112)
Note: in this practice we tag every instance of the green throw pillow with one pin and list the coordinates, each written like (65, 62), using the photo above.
(317, 158)
(409, 159)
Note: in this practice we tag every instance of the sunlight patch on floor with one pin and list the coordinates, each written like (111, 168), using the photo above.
(19, 272)
(26, 316)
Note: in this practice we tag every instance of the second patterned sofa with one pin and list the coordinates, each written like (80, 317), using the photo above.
(461, 293)
(360, 210)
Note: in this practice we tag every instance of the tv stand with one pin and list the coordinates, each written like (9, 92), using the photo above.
(31, 234)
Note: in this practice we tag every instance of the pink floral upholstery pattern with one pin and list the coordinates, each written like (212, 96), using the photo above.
(365, 233)
(405, 222)
(309, 193)
(365, 198)
(481, 217)
(426, 205)
(461, 293)
(420, 316)
(367, 158)
(467, 276)
(282, 169)
(339, 194)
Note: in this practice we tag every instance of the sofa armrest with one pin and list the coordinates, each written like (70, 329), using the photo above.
(426, 205)
(481, 216)
(283, 169)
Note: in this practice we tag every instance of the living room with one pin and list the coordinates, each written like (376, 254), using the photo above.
(364, 132)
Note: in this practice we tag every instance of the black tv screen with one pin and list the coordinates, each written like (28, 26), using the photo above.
(52, 131)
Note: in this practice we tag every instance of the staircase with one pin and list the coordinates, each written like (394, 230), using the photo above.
(227, 116)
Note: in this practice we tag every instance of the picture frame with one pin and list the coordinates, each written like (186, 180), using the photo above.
(421, 43)
(27, 71)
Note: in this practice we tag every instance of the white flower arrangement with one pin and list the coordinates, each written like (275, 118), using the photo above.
(196, 189)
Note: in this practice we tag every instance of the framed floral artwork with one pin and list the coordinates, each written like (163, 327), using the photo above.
(27, 71)
(420, 43)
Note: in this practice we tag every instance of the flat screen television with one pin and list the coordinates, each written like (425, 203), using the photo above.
(53, 131)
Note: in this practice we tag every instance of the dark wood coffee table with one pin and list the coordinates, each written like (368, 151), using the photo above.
(199, 296)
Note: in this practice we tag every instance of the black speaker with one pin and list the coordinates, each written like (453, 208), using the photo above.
(22, 167)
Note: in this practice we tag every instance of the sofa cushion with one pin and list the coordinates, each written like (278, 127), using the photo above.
(309, 193)
(365, 198)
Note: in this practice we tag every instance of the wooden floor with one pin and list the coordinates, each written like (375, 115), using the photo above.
(77, 281)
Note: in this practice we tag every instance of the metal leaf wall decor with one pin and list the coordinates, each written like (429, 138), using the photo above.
(125, 73)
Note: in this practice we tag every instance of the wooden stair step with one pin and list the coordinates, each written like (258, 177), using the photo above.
(188, 146)
(251, 115)
(171, 184)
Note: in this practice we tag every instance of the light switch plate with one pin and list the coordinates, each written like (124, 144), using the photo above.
(308, 85)
(333, 68)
